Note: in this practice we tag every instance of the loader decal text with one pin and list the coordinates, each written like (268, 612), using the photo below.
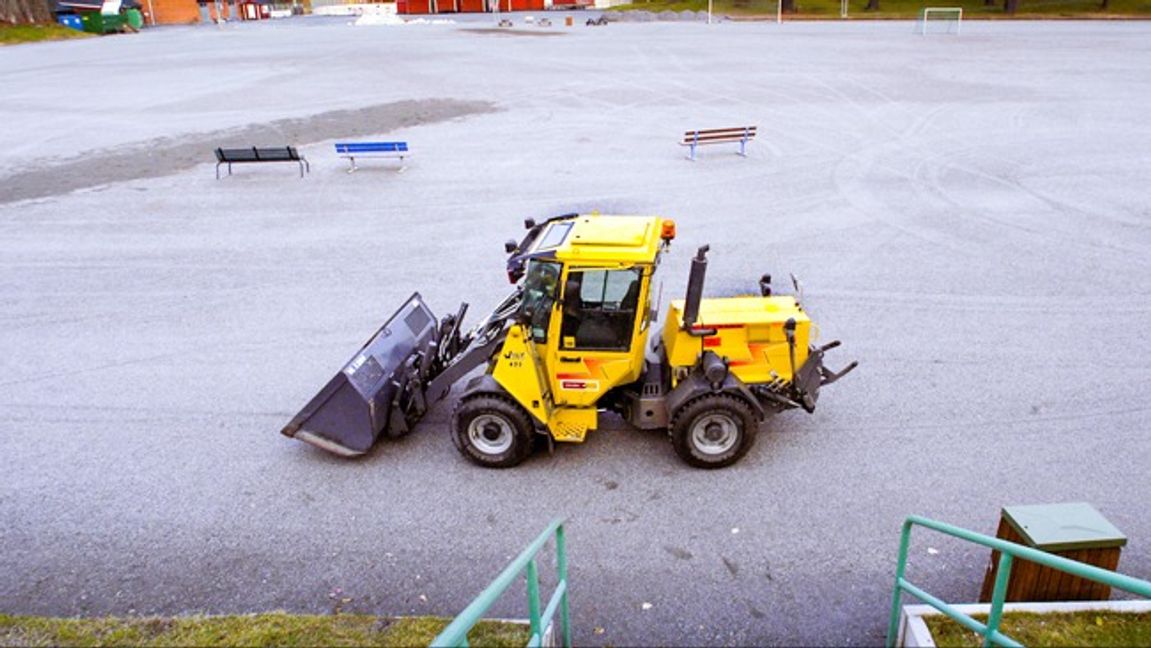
(579, 385)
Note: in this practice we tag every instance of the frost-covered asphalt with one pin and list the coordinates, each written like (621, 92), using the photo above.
(970, 215)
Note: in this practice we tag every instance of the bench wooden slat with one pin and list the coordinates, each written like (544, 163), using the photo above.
(720, 131)
(717, 138)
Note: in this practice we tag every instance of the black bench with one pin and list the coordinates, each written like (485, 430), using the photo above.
(232, 156)
(742, 134)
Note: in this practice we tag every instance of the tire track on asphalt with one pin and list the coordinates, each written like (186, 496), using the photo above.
(1056, 205)
(161, 309)
(113, 414)
(1085, 305)
(928, 171)
(990, 423)
(926, 175)
(854, 176)
(930, 179)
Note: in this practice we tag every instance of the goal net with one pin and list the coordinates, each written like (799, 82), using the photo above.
(940, 20)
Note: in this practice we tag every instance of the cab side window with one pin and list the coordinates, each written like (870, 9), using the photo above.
(600, 311)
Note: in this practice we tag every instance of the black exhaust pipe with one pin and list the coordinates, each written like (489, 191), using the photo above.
(695, 288)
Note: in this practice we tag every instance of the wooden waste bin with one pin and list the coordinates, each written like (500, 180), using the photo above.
(1073, 530)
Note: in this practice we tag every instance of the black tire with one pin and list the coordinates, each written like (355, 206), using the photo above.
(492, 431)
(713, 431)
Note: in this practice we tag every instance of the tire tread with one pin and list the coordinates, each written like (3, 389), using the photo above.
(680, 427)
(519, 418)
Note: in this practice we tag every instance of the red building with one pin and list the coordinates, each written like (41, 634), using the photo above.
(465, 6)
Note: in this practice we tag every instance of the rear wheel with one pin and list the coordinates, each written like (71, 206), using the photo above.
(713, 431)
(492, 431)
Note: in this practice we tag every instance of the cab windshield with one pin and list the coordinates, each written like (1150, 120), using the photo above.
(541, 286)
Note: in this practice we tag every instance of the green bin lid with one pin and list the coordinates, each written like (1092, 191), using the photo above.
(1063, 527)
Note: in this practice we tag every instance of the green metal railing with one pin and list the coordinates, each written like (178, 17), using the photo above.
(1008, 552)
(456, 634)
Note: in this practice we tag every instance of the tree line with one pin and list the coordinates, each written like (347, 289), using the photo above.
(1009, 6)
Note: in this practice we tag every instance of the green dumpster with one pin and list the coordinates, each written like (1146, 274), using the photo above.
(98, 23)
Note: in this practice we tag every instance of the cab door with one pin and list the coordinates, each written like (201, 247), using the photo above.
(598, 335)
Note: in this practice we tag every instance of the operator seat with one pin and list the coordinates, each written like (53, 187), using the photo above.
(609, 329)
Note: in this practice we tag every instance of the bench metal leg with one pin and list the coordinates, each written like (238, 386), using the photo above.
(743, 147)
(218, 170)
(402, 166)
(352, 169)
(694, 143)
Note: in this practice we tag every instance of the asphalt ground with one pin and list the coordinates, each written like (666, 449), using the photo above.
(969, 214)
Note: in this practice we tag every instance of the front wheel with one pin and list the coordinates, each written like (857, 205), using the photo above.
(713, 431)
(492, 432)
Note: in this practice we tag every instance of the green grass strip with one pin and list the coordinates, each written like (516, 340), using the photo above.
(269, 629)
(16, 34)
(1062, 629)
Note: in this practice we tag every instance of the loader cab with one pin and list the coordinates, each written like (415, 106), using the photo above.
(598, 309)
(601, 308)
(587, 301)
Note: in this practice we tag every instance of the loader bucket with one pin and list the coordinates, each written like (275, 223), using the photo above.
(353, 409)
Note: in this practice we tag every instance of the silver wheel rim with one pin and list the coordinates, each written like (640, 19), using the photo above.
(490, 434)
(714, 434)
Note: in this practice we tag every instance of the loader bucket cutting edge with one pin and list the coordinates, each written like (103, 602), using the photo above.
(350, 413)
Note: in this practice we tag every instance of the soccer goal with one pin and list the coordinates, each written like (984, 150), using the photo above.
(940, 20)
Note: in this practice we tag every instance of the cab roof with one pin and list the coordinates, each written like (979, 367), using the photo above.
(601, 238)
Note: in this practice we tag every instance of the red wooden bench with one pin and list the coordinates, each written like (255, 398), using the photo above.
(742, 134)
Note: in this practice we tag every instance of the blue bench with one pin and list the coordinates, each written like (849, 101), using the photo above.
(353, 150)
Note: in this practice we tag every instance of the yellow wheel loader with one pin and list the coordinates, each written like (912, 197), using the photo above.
(570, 343)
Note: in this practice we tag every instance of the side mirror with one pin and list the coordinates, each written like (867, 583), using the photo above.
(765, 285)
(510, 246)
